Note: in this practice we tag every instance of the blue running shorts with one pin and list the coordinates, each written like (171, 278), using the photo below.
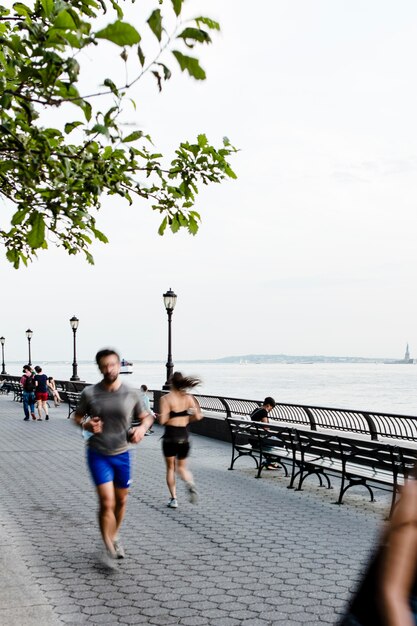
(106, 468)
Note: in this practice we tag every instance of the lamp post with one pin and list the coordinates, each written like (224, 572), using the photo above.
(3, 368)
(74, 321)
(170, 300)
(29, 334)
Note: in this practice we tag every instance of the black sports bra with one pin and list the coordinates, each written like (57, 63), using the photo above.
(179, 413)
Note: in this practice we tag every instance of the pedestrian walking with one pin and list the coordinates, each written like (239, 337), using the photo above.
(41, 392)
(106, 410)
(177, 409)
(28, 394)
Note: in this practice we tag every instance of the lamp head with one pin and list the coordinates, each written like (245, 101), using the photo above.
(170, 299)
(74, 321)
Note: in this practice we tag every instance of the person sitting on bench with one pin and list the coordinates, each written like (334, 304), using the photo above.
(261, 413)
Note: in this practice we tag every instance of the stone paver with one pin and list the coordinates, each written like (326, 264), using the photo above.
(193, 565)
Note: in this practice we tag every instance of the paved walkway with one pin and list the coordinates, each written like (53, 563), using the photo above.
(197, 565)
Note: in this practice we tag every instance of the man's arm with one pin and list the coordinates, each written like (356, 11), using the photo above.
(137, 433)
(93, 424)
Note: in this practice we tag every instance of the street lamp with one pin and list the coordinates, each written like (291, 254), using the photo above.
(170, 300)
(74, 325)
(29, 334)
(3, 368)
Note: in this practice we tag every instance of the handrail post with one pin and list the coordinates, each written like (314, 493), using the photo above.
(372, 428)
(310, 416)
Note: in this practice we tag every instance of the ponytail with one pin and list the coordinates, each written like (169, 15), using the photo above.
(180, 382)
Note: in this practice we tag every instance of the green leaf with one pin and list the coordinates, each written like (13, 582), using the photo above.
(109, 83)
(13, 257)
(6, 166)
(117, 8)
(196, 34)
(207, 22)
(177, 4)
(190, 64)
(155, 23)
(36, 236)
(141, 56)
(21, 9)
(69, 126)
(89, 257)
(166, 70)
(137, 134)
(48, 7)
(64, 21)
(100, 129)
(202, 140)
(99, 235)
(19, 216)
(175, 224)
(87, 109)
(120, 33)
(163, 226)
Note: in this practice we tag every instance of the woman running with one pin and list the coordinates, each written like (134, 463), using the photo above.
(177, 409)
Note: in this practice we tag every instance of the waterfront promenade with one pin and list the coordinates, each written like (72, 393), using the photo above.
(251, 553)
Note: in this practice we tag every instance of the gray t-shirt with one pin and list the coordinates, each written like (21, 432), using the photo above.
(116, 409)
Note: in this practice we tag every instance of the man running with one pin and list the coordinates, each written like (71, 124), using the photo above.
(106, 410)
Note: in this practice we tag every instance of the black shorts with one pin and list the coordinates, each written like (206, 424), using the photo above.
(179, 448)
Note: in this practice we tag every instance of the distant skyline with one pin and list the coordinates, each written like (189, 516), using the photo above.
(311, 251)
(254, 358)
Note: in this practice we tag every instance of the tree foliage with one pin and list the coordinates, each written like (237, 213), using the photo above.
(54, 178)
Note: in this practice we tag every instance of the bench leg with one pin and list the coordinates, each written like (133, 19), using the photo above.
(319, 474)
(355, 484)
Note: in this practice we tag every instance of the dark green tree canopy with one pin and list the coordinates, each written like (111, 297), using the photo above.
(54, 178)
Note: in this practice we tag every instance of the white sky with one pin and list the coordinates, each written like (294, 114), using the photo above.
(311, 251)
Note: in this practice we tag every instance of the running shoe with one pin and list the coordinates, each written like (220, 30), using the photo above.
(119, 549)
(173, 504)
(108, 559)
(192, 493)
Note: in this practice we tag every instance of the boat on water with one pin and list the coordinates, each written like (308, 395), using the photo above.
(126, 367)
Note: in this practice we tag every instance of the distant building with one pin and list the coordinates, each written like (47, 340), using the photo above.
(406, 360)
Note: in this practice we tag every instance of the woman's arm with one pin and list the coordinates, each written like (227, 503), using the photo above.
(399, 566)
(196, 414)
(163, 411)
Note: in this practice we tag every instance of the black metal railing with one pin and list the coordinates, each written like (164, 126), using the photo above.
(373, 424)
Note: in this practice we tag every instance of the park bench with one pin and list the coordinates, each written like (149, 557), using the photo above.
(17, 390)
(72, 398)
(265, 443)
(5, 387)
(353, 460)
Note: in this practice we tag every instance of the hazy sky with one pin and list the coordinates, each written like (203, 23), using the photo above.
(311, 251)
